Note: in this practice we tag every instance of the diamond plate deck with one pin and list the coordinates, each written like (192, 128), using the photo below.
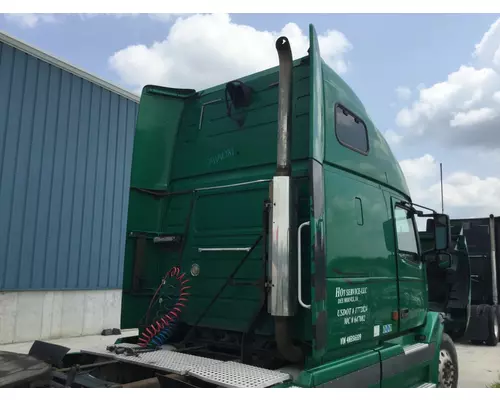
(227, 374)
(162, 360)
(169, 361)
(235, 375)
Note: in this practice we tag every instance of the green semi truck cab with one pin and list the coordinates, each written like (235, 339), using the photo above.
(272, 242)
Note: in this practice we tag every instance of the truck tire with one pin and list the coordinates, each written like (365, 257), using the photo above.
(448, 364)
(492, 326)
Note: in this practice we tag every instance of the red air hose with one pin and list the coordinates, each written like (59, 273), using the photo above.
(173, 314)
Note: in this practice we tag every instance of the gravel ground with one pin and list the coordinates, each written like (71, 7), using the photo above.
(479, 366)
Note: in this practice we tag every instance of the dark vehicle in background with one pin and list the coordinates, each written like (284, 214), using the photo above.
(482, 242)
(448, 277)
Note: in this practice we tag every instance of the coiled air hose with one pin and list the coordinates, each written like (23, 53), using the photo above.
(159, 331)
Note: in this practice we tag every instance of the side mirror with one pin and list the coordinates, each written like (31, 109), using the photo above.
(442, 232)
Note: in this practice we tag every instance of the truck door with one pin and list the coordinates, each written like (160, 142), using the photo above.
(413, 296)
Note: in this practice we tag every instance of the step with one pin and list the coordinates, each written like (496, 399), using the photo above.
(426, 385)
(415, 347)
(236, 375)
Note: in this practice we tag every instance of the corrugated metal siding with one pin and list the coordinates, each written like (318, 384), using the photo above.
(65, 157)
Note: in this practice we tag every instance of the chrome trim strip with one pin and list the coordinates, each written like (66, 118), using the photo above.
(232, 185)
(209, 249)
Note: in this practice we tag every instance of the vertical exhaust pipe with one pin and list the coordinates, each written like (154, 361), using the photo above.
(282, 296)
(283, 167)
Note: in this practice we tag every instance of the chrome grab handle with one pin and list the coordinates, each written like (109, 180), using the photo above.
(205, 249)
(299, 265)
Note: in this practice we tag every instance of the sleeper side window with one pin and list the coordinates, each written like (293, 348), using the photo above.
(350, 130)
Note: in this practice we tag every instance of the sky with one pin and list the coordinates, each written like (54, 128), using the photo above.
(431, 83)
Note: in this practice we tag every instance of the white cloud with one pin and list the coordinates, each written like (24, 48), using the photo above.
(204, 50)
(468, 196)
(30, 20)
(462, 189)
(464, 109)
(420, 168)
(392, 137)
(487, 49)
(465, 195)
(403, 92)
(473, 117)
(418, 173)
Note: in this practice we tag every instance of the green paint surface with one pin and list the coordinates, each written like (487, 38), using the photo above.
(187, 149)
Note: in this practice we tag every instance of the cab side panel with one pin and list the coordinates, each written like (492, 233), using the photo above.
(361, 272)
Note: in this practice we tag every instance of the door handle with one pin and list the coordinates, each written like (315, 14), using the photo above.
(404, 312)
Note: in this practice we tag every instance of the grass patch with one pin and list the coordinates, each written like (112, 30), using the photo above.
(495, 384)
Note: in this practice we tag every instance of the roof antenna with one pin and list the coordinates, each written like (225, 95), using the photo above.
(442, 198)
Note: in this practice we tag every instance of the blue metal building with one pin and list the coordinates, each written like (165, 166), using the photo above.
(65, 155)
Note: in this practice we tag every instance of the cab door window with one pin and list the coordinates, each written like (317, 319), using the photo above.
(406, 235)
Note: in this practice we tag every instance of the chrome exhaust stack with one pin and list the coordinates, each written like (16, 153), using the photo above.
(282, 300)
(281, 294)
(284, 166)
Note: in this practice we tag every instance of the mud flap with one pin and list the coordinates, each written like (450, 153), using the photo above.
(479, 323)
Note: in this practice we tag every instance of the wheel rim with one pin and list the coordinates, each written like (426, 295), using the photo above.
(447, 370)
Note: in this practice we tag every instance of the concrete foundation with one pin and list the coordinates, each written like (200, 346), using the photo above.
(28, 316)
